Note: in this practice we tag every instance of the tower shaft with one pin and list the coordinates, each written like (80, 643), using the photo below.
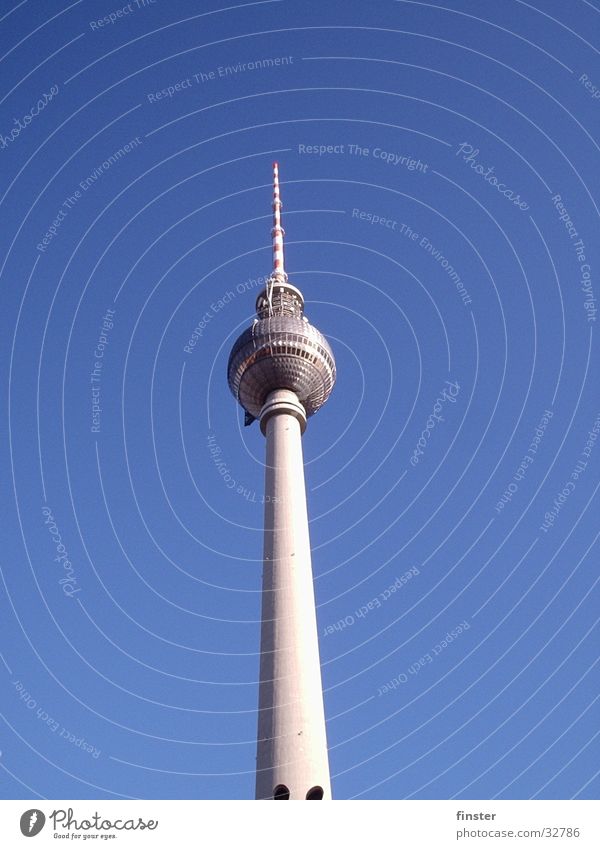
(277, 233)
(292, 745)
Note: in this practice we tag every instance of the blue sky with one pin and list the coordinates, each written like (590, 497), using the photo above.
(440, 181)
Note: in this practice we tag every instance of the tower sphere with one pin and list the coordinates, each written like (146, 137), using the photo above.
(281, 350)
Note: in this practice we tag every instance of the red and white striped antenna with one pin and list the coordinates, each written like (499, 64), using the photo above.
(277, 232)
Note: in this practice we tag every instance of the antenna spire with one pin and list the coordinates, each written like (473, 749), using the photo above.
(277, 232)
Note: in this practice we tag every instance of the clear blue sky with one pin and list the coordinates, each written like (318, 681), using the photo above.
(456, 461)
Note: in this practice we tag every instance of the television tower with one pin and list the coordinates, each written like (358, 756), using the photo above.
(282, 370)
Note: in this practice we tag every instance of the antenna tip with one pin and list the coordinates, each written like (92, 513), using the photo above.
(275, 166)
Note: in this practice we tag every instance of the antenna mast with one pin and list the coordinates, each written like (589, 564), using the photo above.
(278, 274)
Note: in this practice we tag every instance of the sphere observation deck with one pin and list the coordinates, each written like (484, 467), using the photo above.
(281, 350)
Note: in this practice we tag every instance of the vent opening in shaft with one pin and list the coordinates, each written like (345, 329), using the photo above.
(315, 793)
(281, 792)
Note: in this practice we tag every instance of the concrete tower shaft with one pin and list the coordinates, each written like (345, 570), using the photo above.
(292, 759)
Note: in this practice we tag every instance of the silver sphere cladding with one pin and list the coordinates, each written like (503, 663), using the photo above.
(281, 350)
